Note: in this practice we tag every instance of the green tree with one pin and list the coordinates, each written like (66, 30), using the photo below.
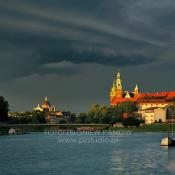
(38, 117)
(62, 121)
(116, 113)
(103, 114)
(131, 121)
(106, 119)
(4, 108)
(82, 118)
(73, 118)
(103, 110)
(93, 114)
(94, 109)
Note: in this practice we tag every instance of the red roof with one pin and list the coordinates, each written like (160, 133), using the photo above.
(160, 97)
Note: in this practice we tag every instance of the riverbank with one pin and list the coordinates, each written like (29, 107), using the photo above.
(156, 127)
(26, 128)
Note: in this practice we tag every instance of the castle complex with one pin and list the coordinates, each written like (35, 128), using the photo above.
(147, 101)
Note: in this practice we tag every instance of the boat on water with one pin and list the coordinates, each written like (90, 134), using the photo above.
(12, 131)
(168, 141)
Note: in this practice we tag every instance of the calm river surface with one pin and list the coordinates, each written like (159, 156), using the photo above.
(48, 154)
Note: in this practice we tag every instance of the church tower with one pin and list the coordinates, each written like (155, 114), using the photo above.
(136, 91)
(46, 99)
(113, 90)
(119, 88)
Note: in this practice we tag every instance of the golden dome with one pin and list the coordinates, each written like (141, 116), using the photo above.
(46, 104)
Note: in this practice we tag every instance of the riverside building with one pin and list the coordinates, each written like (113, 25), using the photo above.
(147, 102)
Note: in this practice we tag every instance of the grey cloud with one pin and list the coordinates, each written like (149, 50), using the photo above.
(44, 42)
(76, 20)
(52, 39)
(62, 32)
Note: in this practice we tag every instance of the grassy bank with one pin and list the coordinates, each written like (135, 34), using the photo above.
(27, 129)
(42, 128)
(157, 127)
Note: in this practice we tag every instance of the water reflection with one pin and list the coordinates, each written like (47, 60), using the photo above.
(41, 154)
(140, 154)
(171, 160)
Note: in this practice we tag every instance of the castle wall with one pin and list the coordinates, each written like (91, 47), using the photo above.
(149, 105)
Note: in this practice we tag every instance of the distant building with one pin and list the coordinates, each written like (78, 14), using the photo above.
(52, 116)
(45, 107)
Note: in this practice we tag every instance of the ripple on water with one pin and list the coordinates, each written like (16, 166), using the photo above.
(139, 153)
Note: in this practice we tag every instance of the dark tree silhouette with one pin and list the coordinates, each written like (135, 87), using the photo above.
(4, 108)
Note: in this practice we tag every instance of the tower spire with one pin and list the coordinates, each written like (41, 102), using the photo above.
(113, 90)
(119, 88)
(119, 81)
(136, 91)
(136, 87)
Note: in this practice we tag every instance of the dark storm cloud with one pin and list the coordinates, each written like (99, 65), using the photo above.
(43, 42)
(104, 32)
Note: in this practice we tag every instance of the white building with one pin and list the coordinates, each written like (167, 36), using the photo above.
(160, 115)
(152, 115)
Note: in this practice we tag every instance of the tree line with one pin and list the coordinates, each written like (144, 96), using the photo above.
(4, 109)
(125, 113)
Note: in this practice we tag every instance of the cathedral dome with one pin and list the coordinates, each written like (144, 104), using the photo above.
(46, 104)
(45, 107)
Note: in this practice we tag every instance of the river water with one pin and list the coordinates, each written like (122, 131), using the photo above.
(102, 154)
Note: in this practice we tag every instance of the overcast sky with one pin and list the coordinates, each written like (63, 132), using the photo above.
(70, 50)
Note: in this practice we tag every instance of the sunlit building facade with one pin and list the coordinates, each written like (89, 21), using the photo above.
(45, 107)
(145, 101)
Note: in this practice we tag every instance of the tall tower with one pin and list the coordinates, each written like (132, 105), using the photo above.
(119, 88)
(113, 90)
(136, 91)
